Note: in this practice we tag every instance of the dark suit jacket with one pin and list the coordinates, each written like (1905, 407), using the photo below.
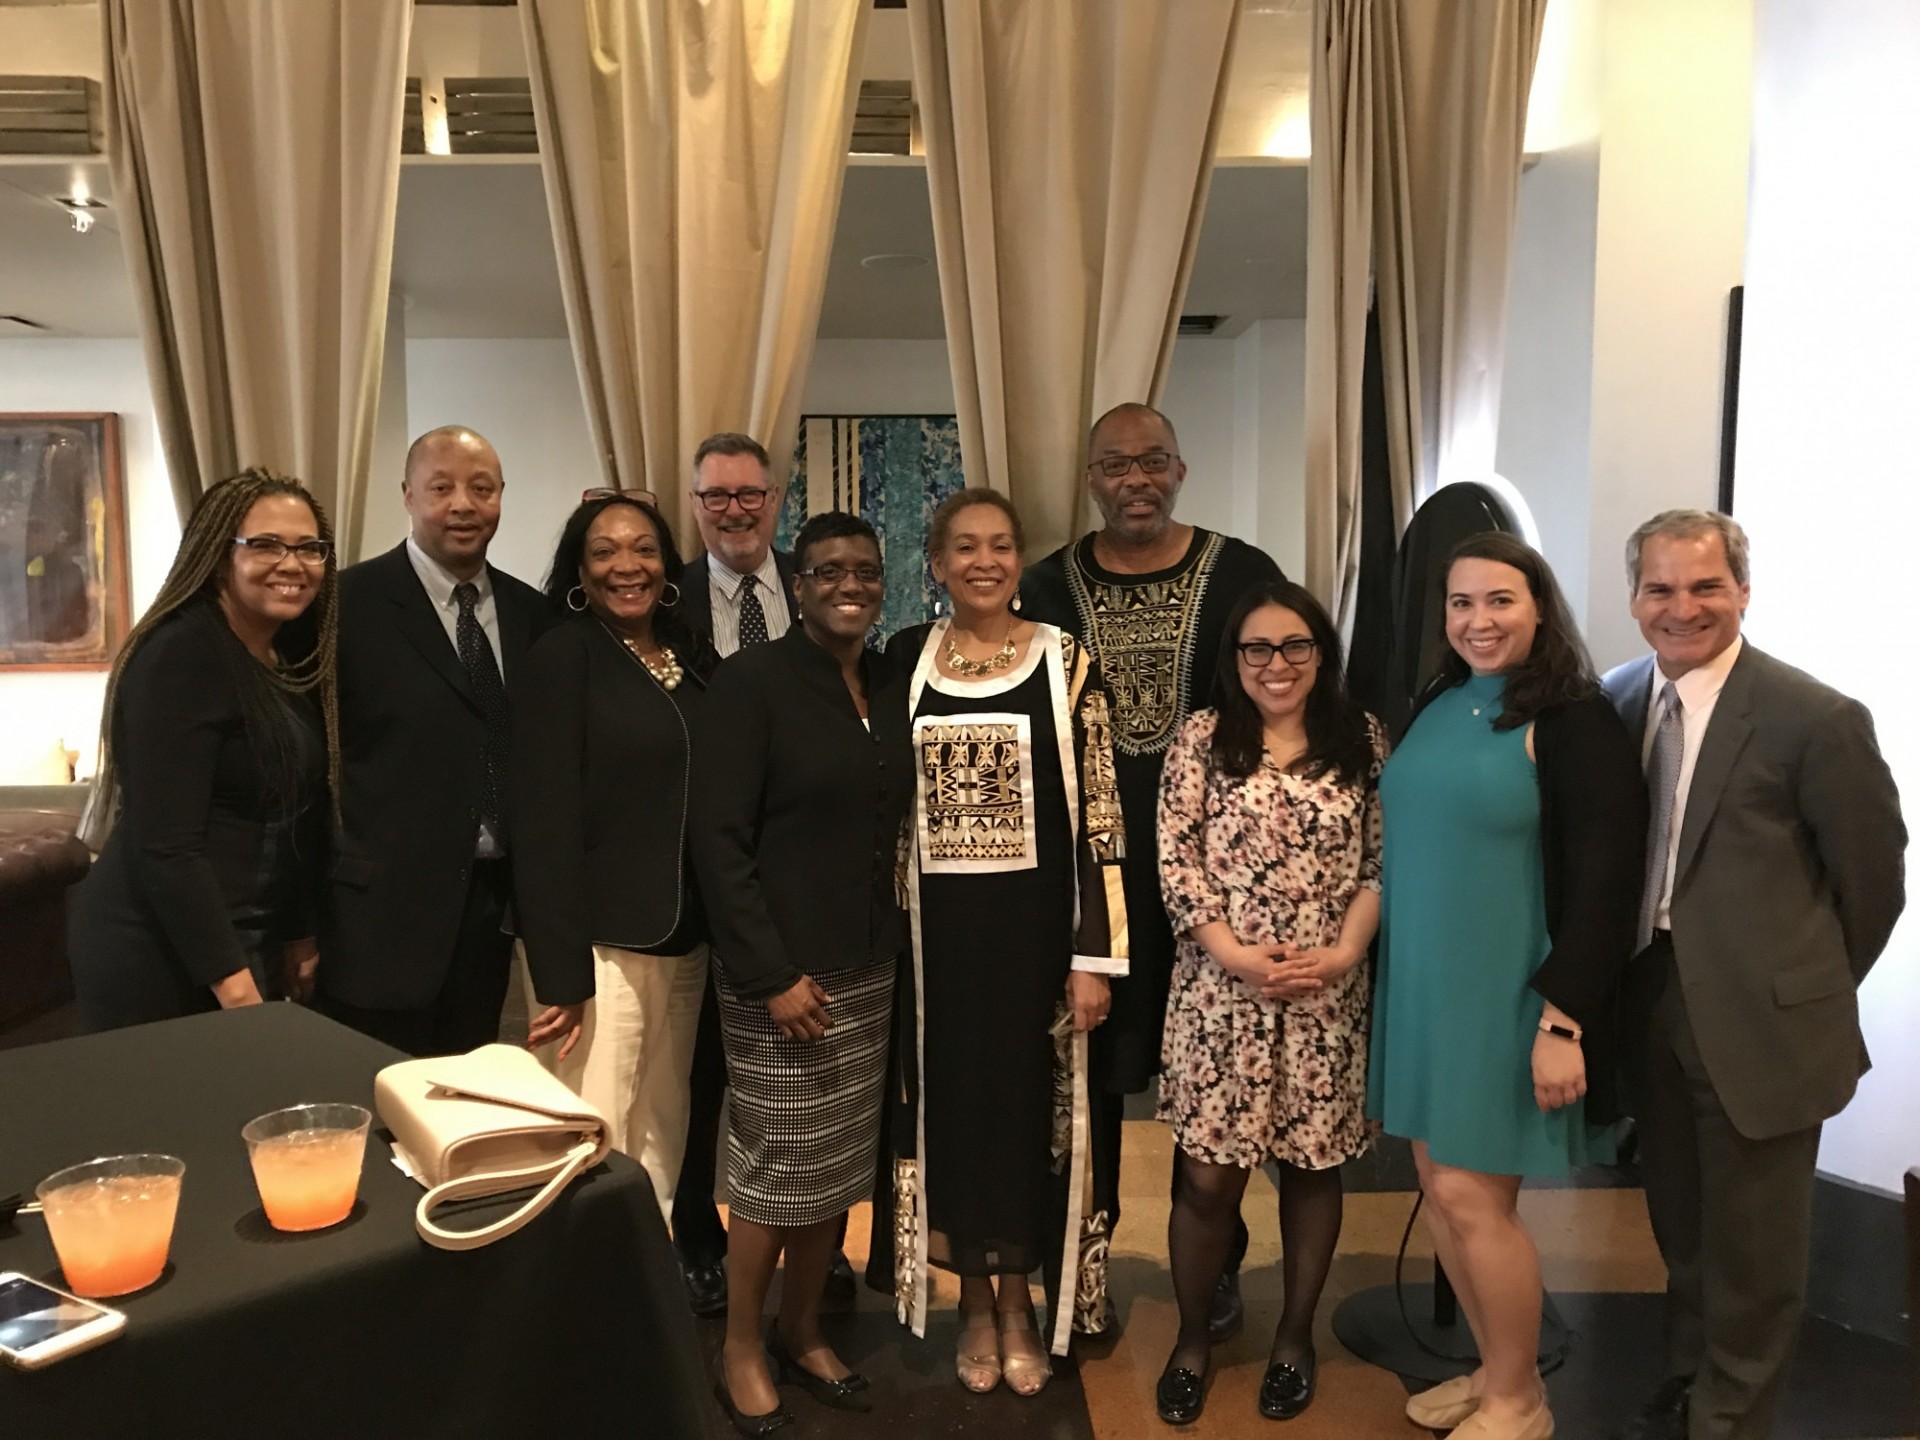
(413, 770)
(696, 593)
(797, 814)
(1790, 875)
(602, 769)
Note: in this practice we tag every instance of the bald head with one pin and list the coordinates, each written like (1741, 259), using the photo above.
(1134, 473)
(452, 490)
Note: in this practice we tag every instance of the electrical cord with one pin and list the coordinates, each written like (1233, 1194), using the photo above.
(1400, 1292)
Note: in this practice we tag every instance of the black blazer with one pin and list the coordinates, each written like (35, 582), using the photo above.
(177, 899)
(413, 770)
(696, 593)
(602, 769)
(797, 814)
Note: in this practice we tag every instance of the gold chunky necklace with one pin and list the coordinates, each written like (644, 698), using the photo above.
(666, 670)
(1000, 659)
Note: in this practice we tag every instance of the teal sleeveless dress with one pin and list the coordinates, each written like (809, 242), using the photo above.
(1463, 927)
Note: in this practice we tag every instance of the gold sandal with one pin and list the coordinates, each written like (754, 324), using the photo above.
(979, 1373)
(1026, 1375)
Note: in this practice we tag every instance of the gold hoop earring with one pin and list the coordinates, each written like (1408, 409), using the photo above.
(576, 590)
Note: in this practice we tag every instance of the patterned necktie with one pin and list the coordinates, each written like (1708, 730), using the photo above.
(483, 673)
(1663, 785)
(753, 619)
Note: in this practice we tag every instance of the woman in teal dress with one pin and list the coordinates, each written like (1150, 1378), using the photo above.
(1516, 822)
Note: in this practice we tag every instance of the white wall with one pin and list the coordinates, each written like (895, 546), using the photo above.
(1824, 481)
(39, 710)
(1675, 122)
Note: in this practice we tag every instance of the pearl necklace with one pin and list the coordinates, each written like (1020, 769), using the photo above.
(667, 671)
(1000, 659)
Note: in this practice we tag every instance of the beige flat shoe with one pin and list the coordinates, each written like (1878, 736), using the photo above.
(1537, 1425)
(1027, 1375)
(1446, 1405)
(978, 1372)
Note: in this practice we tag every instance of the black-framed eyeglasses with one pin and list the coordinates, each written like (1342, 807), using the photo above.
(273, 549)
(1259, 653)
(753, 499)
(831, 574)
(1154, 462)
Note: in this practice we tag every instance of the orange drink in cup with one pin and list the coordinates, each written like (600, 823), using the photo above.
(306, 1163)
(111, 1221)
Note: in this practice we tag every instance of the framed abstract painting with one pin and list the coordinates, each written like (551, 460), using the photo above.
(63, 542)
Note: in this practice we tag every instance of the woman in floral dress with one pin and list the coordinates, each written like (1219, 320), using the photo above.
(1270, 866)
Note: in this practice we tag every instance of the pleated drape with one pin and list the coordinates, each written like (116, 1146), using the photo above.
(693, 152)
(255, 151)
(1069, 150)
(1418, 115)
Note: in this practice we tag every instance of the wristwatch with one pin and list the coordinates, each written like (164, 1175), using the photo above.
(1565, 1032)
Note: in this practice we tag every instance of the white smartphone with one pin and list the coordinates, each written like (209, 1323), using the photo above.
(39, 1324)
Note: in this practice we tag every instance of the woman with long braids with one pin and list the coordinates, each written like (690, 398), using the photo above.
(219, 743)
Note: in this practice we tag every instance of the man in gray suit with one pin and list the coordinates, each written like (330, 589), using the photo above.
(1775, 872)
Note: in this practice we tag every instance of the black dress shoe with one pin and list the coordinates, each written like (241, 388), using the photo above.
(1287, 1388)
(706, 1288)
(837, 1297)
(1180, 1395)
(752, 1426)
(849, 1392)
(1226, 1310)
(1665, 1415)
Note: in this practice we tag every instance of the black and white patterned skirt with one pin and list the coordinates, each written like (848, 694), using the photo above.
(803, 1127)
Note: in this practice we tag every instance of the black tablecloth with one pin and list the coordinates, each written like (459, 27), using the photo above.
(576, 1326)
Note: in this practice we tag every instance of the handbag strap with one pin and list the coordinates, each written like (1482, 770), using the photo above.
(492, 1183)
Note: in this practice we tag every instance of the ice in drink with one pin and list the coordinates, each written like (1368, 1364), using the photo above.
(306, 1163)
(111, 1222)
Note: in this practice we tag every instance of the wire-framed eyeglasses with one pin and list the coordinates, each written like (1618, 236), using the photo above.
(272, 549)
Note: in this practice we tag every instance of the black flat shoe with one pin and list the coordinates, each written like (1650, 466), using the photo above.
(706, 1288)
(1665, 1415)
(1180, 1395)
(1287, 1388)
(850, 1392)
(751, 1426)
(1226, 1311)
(837, 1298)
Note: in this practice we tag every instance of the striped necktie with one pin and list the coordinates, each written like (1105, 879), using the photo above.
(1663, 786)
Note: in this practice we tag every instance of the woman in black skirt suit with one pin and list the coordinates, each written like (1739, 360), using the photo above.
(801, 782)
(217, 745)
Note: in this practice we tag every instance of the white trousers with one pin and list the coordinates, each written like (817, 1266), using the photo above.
(635, 1053)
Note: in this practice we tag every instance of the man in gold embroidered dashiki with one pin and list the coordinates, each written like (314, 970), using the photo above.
(1149, 598)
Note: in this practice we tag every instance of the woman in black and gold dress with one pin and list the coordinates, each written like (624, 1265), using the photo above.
(1015, 896)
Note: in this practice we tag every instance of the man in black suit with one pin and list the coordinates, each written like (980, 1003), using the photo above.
(411, 949)
(1775, 872)
(740, 592)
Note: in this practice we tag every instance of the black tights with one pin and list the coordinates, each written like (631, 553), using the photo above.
(1206, 1203)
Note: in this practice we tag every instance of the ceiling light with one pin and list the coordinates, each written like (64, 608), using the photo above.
(895, 262)
(80, 207)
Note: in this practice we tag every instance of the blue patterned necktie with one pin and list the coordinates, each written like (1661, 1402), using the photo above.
(753, 618)
(483, 673)
(1663, 786)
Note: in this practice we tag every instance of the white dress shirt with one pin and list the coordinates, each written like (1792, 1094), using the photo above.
(728, 589)
(1699, 690)
(439, 583)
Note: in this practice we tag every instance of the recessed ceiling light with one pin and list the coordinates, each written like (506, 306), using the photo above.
(895, 262)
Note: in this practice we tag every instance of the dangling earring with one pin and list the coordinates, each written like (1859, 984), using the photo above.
(1016, 602)
(576, 590)
(676, 593)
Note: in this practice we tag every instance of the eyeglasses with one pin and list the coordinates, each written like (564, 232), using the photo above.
(645, 496)
(752, 500)
(1115, 467)
(273, 549)
(833, 574)
(1259, 653)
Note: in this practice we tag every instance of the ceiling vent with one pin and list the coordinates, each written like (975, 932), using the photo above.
(1201, 324)
(883, 118)
(49, 115)
(491, 115)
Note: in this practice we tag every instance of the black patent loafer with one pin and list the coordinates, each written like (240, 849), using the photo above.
(849, 1392)
(706, 1288)
(837, 1297)
(1226, 1311)
(1287, 1388)
(754, 1427)
(1180, 1395)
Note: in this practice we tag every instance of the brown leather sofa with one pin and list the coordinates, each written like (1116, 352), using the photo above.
(39, 859)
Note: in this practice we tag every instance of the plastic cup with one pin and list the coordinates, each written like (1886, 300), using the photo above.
(306, 1163)
(111, 1221)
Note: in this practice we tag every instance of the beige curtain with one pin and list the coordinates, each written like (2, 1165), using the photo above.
(1418, 114)
(255, 151)
(1069, 150)
(693, 152)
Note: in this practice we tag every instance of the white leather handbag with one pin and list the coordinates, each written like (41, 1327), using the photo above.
(483, 1123)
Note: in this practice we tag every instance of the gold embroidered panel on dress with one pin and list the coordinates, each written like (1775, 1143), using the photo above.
(1143, 636)
(976, 792)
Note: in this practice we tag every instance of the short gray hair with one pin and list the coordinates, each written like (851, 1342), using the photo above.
(1689, 525)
